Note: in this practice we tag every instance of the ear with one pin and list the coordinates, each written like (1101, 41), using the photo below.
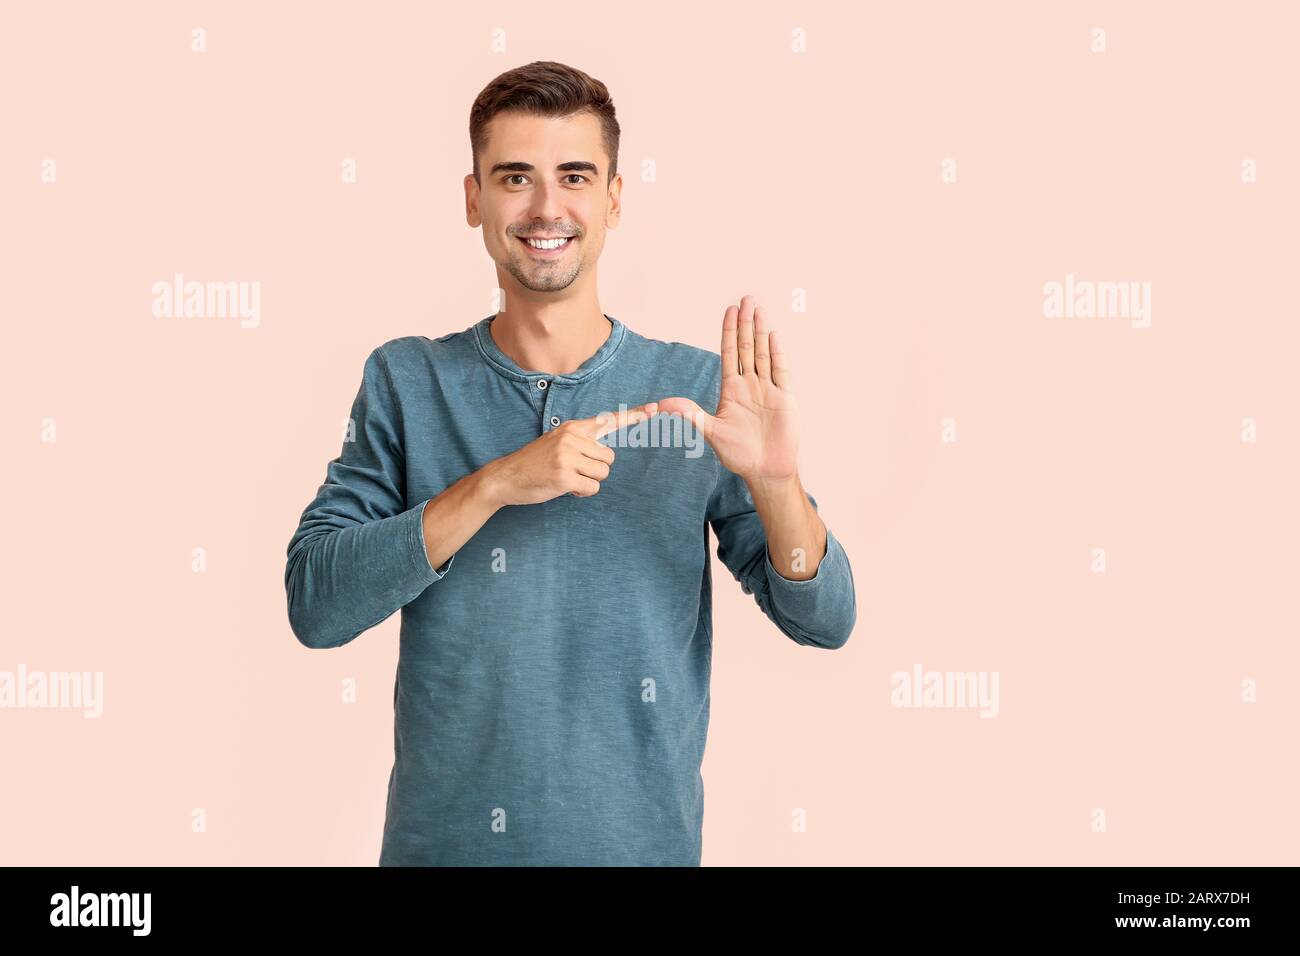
(472, 215)
(615, 208)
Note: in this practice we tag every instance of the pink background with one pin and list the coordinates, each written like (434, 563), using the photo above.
(776, 171)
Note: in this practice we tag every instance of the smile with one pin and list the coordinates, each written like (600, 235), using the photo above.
(546, 248)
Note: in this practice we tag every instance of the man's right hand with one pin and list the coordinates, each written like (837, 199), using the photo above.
(566, 460)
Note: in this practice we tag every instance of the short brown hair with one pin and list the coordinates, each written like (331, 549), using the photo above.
(544, 88)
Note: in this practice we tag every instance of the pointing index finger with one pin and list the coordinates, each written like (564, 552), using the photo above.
(607, 422)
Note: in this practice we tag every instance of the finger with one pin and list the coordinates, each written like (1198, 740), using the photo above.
(745, 335)
(780, 370)
(592, 468)
(597, 450)
(762, 363)
(730, 363)
(690, 410)
(607, 422)
(591, 447)
(584, 487)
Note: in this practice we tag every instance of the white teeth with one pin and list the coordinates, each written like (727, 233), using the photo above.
(546, 243)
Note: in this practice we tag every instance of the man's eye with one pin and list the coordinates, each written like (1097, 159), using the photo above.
(571, 176)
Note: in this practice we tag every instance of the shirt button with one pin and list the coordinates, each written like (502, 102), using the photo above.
(554, 420)
(541, 383)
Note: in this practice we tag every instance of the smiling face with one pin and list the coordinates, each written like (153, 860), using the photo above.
(544, 178)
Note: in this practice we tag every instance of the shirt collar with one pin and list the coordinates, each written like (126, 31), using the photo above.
(505, 365)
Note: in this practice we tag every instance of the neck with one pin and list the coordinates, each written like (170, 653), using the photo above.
(552, 339)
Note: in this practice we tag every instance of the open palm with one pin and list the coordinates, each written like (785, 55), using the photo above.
(754, 430)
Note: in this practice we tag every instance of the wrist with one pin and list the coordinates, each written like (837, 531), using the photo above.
(484, 486)
(765, 490)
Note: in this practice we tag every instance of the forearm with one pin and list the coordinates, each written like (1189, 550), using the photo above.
(791, 524)
(458, 512)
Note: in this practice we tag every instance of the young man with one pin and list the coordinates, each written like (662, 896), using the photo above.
(549, 550)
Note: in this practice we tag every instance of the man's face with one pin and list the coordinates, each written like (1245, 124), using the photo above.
(544, 177)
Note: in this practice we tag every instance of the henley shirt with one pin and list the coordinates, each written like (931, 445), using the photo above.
(551, 700)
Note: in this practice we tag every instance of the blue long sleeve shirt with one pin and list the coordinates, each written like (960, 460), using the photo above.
(552, 693)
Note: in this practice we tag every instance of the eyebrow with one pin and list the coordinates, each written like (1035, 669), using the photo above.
(576, 165)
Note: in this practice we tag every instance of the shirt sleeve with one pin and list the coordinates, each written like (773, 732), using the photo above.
(358, 553)
(819, 611)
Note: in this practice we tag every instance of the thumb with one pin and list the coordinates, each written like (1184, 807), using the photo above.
(690, 410)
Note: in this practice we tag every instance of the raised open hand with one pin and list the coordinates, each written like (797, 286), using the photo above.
(754, 431)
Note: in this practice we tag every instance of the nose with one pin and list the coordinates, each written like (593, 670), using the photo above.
(547, 202)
